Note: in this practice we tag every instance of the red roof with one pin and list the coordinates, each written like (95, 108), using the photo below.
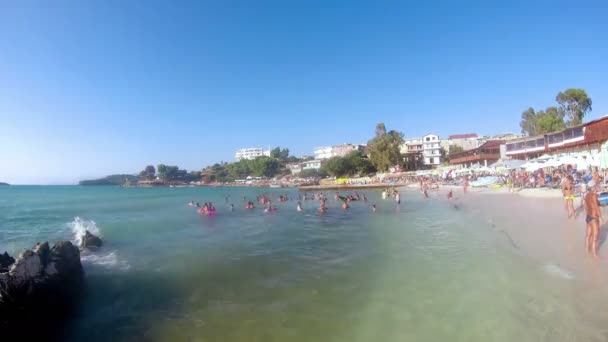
(492, 143)
(463, 136)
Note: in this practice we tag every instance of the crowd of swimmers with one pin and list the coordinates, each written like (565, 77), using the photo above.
(265, 202)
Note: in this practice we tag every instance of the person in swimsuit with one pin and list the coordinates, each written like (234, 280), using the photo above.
(299, 207)
(450, 195)
(373, 208)
(568, 191)
(593, 219)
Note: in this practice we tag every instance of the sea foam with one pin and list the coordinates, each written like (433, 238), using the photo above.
(558, 271)
(79, 228)
(107, 260)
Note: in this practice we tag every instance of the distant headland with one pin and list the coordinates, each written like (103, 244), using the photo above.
(1, 184)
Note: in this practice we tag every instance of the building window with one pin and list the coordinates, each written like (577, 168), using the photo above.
(431, 160)
(428, 139)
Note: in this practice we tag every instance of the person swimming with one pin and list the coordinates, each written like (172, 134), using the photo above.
(299, 207)
(231, 207)
(373, 208)
(322, 206)
(191, 204)
(450, 195)
(364, 198)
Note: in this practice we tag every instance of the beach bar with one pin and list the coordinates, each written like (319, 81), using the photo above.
(587, 137)
(486, 154)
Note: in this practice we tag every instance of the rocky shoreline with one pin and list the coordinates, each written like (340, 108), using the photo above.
(41, 288)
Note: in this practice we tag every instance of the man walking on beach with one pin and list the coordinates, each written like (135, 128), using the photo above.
(593, 219)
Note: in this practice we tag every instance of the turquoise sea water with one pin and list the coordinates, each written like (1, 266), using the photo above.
(425, 271)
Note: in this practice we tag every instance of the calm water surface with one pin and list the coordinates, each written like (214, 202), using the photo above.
(425, 272)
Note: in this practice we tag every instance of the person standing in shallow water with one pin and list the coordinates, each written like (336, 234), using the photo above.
(593, 219)
(568, 191)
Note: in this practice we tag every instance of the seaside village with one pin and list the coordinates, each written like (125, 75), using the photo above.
(509, 160)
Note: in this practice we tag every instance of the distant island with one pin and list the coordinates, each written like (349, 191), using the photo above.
(111, 180)
(1, 184)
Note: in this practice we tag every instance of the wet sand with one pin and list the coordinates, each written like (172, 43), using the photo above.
(538, 229)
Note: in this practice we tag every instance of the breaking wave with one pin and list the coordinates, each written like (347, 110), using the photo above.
(79, 228)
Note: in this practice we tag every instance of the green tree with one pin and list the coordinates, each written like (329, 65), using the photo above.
(312, 173)
(278, 153)
(172, 172)
(263, 166)
(162, 171)
(575, 103)
(384, 150)
(238, 170)
(275, 152)
(550, 120)
(455, 149)
(338, 166)
(528, 122)
(148, 173)
(284, 154)
(362, 165)
(380, 129)
(542, 122)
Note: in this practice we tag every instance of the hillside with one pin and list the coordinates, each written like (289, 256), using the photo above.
(110, 180)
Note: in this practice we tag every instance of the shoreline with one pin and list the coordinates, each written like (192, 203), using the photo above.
(535, 222)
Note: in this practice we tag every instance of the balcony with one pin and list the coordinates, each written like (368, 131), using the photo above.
(475, 158)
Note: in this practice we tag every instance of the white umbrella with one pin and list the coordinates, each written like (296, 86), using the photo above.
(581, 164)
(544, 157)
(552, 163)
(568, 160)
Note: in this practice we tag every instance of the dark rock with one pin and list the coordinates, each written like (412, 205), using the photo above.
(41, 287)
(90, 241)
(5, 262)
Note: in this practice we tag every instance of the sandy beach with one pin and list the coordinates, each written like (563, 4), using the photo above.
(534, 224)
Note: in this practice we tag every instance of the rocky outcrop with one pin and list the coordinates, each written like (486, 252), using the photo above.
(90, 241)
(5, 262)
(40, 287)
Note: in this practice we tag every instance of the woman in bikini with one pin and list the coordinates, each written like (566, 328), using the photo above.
(568, 191)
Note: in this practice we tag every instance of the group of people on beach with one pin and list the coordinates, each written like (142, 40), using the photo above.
(590, 186)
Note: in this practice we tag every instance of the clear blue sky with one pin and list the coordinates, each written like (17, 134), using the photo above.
(90, 88)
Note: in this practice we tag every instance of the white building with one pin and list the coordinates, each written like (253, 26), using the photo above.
(431, 146)
(411, 145)
(250, 153)
(324, 152)
(467, 141)
(295, 168)
(311, 165)
(342, 150)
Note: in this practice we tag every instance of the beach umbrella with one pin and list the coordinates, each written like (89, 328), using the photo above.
(568, 160)
(544, 157)
(514, 164)
(552, 163)
(604, 156)
(581, 164)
